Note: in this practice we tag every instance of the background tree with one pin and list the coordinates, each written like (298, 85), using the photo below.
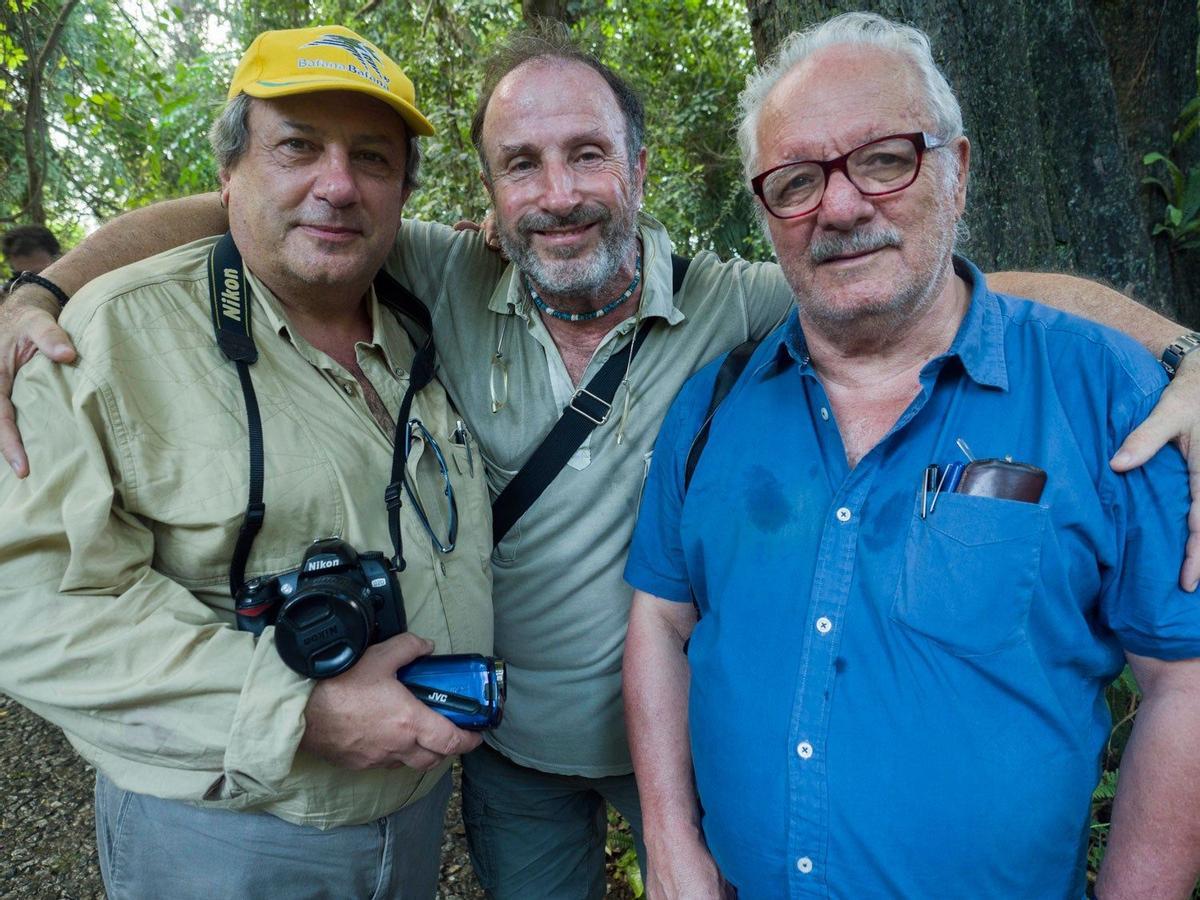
(1062, 99)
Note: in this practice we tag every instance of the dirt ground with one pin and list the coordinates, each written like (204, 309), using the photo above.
(47, 836)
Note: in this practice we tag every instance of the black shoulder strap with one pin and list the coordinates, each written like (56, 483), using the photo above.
(404, 302)
(229, 298)
(679, 269)
(401, 300)
(731, 369)
(588, 408)
(727, 376)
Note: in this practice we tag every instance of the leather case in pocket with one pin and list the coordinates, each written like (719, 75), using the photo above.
(1003, 480)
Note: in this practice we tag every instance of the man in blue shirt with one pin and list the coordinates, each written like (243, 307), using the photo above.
(891, 690)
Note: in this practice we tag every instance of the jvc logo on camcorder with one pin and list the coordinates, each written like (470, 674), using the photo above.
(438, 697)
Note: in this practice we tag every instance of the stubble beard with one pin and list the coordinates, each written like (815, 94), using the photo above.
(572, 278)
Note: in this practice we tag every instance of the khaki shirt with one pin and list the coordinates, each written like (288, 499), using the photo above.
(562, 605)
(114, 553)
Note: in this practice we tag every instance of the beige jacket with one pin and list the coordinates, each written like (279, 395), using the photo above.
(114, 553)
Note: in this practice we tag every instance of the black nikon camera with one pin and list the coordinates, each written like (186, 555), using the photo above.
(338, 602)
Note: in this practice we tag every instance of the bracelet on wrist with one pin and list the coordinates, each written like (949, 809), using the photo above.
(31, 278)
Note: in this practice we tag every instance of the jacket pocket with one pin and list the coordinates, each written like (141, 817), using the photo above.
(969, 572)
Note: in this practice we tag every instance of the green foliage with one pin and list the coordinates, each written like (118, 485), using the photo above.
(131, 89)
(622, 854)
(690, 59)
(127, 101)
(1181, 190)
(1122, 696)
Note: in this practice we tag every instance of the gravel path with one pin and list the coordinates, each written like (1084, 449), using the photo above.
(47, 836)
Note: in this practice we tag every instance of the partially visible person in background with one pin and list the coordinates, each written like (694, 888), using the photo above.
(28, 248)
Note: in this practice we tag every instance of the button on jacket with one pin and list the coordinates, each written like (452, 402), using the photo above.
(115, 551)
(885, 704)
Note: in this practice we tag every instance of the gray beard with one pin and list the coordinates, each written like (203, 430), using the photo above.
(566, 276)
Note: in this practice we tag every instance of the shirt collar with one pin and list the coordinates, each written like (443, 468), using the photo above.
(510, 298)
(273, 312)
(979, 343)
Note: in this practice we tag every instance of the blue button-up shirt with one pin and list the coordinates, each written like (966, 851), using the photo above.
(885, 704)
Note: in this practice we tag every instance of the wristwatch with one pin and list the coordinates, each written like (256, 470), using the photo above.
(1179, 348)
(59, 294)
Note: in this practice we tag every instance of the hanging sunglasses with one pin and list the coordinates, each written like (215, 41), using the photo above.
(415, 426)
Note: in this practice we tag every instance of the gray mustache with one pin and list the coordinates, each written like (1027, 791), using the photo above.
(833, 245)
(581, 215)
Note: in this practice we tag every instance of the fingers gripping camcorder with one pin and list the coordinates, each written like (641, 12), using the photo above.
(338, 602)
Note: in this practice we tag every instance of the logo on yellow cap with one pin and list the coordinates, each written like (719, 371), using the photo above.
(366, 56)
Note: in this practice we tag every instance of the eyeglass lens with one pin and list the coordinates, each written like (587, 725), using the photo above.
(881, 167)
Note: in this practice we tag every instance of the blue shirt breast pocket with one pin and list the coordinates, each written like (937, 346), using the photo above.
(969, 573)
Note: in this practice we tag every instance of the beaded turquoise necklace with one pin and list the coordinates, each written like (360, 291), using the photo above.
(587, 316)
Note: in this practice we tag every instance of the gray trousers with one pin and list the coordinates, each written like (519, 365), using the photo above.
(154, 848)
(540, 836)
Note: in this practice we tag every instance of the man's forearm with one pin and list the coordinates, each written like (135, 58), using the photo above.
(1154, 845)
(1092, 301)
(655, 679)
(127, 239)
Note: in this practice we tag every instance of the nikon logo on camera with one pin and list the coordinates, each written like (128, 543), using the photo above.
(321, 635)
(318, 563)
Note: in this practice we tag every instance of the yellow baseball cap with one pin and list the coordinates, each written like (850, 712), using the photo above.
(328, 58)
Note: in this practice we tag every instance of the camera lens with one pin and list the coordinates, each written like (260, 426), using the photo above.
(323, 629)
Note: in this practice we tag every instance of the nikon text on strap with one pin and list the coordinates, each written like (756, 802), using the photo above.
(229, 298)
(588, 408)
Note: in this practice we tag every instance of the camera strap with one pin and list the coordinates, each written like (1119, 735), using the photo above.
(229, 299)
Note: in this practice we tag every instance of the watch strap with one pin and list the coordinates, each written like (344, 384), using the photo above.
(1173, 356)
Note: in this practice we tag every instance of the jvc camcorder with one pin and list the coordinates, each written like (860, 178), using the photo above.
(338, 602)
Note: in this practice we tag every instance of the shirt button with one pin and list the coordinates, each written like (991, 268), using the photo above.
(843, 514)
(804, 864)
(348, 387)
(804, 750)
(824, 625)
(824, 413)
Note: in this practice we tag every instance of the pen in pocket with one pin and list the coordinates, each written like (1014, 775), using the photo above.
(951, 476)
(463, 437)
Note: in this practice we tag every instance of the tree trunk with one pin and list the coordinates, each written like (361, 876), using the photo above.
(35, 131)
(1061, 99)
(562, 10)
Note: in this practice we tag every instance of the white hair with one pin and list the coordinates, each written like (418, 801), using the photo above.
(856, 28)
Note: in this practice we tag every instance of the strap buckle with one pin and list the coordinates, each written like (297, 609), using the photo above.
(601, 414)
(391, 496)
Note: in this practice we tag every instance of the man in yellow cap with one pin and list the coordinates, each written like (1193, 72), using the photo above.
(222, 770)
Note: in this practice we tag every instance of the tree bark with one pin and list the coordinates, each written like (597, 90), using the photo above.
(561, 10)
(1061, 99)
